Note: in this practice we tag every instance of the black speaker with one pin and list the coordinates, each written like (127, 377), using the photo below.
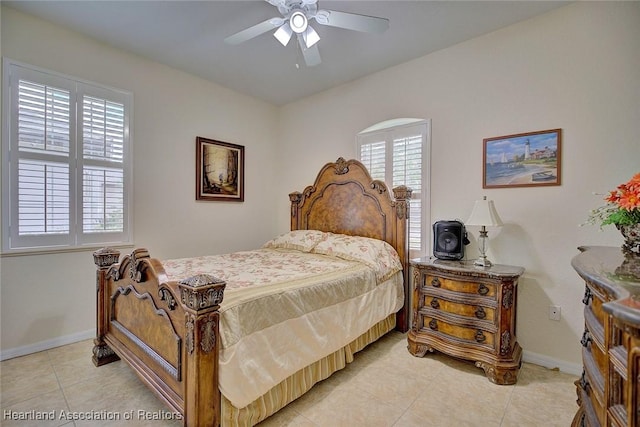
(449, 239)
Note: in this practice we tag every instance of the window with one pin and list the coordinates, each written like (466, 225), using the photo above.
(66, 161)
(397, 152)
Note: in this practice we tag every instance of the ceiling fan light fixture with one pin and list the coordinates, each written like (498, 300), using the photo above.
(310, 37)
(322, 17)
(283, 34)
(298, 22)
(295, 16)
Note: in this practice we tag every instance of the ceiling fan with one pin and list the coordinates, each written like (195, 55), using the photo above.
(296, 15)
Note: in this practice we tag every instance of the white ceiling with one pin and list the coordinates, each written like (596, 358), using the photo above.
(189, 35)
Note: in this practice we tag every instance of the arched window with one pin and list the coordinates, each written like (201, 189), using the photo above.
(398, 152)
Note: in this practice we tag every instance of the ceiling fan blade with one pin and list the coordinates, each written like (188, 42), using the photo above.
(254, 31)
(352, 21)
(311, 54)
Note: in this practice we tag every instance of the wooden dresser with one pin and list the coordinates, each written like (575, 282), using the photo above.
(608, 388)
(467, 312)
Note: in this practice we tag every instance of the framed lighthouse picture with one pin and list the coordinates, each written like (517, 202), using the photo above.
(529, 159)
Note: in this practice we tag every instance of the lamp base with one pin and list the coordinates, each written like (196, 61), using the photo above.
(482, 262)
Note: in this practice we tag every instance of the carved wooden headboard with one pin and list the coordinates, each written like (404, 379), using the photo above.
(345, 199)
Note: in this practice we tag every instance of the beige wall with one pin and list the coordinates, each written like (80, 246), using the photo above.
(575, 68)
(46, 297)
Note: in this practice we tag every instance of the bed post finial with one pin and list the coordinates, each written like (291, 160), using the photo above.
(402, 195)
(104, 259)
(201, 296)
(296, 199)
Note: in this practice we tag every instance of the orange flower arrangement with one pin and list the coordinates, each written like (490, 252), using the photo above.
(627, 196)
(623, 205)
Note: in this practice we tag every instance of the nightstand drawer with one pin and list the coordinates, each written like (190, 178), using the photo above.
(470, 335)
(467, 310)
(474, 288)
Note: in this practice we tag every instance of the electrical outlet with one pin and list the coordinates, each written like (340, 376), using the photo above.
(554, 312)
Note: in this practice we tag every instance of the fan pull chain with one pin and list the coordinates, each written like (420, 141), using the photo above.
(298, 55)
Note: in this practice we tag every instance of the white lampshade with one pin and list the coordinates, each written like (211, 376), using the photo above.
(484, 213)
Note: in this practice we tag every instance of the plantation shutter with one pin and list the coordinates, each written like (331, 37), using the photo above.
(372, 155)
(42, 146)
(103, 135)
(396, 155)
(65, 166)
(407, 170)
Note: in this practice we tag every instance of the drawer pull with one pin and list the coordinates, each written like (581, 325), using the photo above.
(584, 382)
(480, 313)
(482, 289)
(480, 336)
(435, 303)
(433, 324)
(587, 295)
(435, 282)
(586, 338)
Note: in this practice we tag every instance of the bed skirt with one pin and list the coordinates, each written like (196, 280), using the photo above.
(299, 383)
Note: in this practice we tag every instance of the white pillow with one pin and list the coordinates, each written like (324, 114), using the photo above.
(375, 253)
(302, 240)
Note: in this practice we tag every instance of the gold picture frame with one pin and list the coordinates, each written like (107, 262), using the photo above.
(219, 171)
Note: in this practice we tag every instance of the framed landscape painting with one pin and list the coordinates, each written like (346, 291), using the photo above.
(522, 160)
(219, 171)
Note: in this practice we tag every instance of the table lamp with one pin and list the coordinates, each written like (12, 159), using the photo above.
(484, 214)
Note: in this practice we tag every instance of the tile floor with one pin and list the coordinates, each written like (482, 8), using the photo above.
(384, 386)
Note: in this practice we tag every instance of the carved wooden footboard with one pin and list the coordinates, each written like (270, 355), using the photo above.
(166, 331)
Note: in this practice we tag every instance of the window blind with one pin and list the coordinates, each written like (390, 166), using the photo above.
(372, 155)
(43, 198)
(66, 171)
(397, 155)
(407, 170)
(103, 135)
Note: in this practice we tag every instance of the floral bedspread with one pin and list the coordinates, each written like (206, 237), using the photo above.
(296, 302)
(268, 286)
(255, 268)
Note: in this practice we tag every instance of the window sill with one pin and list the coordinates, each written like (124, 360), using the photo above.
(51, 251)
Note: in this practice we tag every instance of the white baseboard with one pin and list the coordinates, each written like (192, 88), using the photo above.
(551, 363)
(46, 345)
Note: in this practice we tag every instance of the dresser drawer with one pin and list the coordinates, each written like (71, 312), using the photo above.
(460, 333)
(593, 341)
(474, 311)
(594, 393)
(589, 418)
(472, 288)
(594, 305)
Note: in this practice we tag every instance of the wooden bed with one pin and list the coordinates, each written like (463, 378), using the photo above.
(168, 331)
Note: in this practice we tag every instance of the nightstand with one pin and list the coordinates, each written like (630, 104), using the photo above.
(467, 312)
